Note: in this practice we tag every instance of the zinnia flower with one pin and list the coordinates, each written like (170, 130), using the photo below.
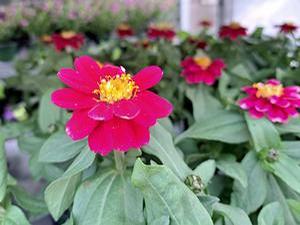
(114, 109)
(124, 30)
(287, 28)
(232, 31)
(162, 30)
(198, 43)
(67, 39)
(205, 23)
(201, 70)
(271, 100)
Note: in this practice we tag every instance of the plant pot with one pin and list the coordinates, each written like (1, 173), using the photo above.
(8, 51)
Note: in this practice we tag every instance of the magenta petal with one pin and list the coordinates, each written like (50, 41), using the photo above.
(88, 68)
(101, 111)
(291, 111)
(246, 103)
(255, 114)
(70, 99)
(273, 82)
(110, 71)
(141, 136)
(80, 125)
(100, 140)
(148, 77)
(122, 134)
(126, 109)
(262, 105)
(279, 102)
(277, 115)
(75, 80)
(160, 107)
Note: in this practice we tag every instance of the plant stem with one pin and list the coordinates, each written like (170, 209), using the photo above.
(119, 160)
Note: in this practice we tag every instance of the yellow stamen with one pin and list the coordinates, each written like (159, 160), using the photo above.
(123, 26)
(163, 26)
(113, 89)
(99, 64)
(268, 90)
(68, 34)
(203, 61)
(46, 38)
(234, 25)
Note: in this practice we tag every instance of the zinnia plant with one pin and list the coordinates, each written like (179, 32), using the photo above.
(287, 28)
(271, 100)
(232, 31)
(124, 30)
(67, 39)
(161, 30)
(110, 106)
(201, 69)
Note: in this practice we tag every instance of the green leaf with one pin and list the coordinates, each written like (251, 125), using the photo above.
(204, 104)
(250, 198)
(293, 126)
(263, 133)
(166, 196)
(233, 169)
(235, 215)
(14, 216)
(276, 194)
(59, 148)
(81, 162)
(28, 202)
(60, 193)
(161, 145)
(108, 198)
(241, 71)
(271, 214)
(3, 169)
(206, 170)
(295, 207)
(48, 113)
(69, 222)
(287, 170)
(291, 148)
(225, 126)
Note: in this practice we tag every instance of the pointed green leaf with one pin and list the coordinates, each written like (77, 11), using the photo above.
(161, 145)
(235, 215)
(271, 214)
(206, 170)
(166, 196)
(263, 133)
(14, 216)
(108, 198)
(59, 148)
(225, 126)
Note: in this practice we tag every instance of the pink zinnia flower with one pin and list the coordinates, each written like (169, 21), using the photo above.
(162, 30)
(114, 109)
(287, 28)
(232, 31)
(124, 30)
(67, 39)
(271, 100)
(201, 70)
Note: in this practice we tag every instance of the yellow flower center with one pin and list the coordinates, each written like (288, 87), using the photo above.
(163, 26)
(68, 34)
(123, 26)
(268, 90)
(113, 89)
(234, 25)
(203, 61)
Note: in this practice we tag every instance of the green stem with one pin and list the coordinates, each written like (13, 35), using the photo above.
(119, 160)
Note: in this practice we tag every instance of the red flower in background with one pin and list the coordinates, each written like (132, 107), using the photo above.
(67, 39)
(271, 100)
(124, 30)
(201, 70)
(287, 28)
(201, 44)
(162, 30)
(114, 109)
(232, 31)
(205, 23)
